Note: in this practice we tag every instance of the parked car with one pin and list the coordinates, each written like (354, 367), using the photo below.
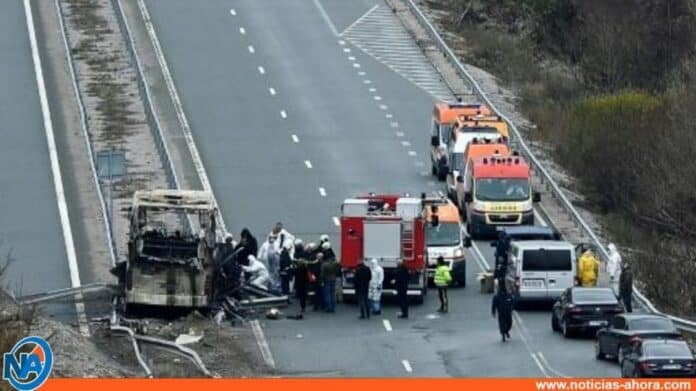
(584, 309)
(626, 329)
(659, 358)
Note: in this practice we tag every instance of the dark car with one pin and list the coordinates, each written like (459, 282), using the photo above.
(658, 358)
(626, 329)
(584, 309)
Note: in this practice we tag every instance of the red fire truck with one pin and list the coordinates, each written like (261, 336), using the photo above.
(387, 227)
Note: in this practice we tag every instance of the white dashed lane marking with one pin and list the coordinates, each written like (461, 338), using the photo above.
(242, 30)
(362, 73)
(308, 163)
(351, 58)
(233, 12)
(367, 81)
(412, 153)
(387, 324)
(251, 49)
(394, 124)
(356, 65)
(336, 221)
(261, 70)
(272, 91)
(399, 134)
(406, 143)
(377, 97)
(283, 114)
(295, 139)
(384, 107)
(322, 192)
(407, 366)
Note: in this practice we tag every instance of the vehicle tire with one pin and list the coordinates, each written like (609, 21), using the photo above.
(619, 355)
(567, 332)
(599, 355)
(554, 323)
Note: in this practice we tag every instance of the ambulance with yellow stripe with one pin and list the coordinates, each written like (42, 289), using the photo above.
(495, 190)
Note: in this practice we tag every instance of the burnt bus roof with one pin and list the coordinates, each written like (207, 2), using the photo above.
(173, 199)
(530, 232)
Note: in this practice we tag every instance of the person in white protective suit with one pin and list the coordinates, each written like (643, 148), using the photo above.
(282, 237)
(613, 264)
(375, 292)
(258, 272)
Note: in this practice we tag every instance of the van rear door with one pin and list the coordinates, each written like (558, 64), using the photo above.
(532, 275)
(552, 266)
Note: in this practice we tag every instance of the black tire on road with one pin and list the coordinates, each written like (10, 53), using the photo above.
(599, 355)
(567, 332)
(554, 323)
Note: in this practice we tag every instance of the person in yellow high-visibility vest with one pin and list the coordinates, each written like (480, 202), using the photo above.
(588, 269)
(442, 279)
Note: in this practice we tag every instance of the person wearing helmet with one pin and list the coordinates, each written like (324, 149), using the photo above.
(328, 251)
(258, 274)
(588, 269)
(323, 238)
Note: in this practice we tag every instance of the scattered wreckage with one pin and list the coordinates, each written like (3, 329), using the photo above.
(177, 259)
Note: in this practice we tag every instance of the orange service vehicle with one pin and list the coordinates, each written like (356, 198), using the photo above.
(445, 116)
(478, 121)
(496, 190)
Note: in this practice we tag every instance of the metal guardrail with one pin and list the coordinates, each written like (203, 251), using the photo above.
(535, 163)
(86, 131)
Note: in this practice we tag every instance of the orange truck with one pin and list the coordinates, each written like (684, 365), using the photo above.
(496, 190)
(444, 118)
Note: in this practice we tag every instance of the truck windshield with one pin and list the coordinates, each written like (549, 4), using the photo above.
(502, 189)
(445, 234)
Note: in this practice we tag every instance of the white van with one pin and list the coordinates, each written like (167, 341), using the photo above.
(540, 269)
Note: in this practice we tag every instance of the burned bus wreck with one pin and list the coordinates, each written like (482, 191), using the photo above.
(170, 250)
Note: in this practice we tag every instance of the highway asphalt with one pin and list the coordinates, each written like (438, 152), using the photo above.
(288, 127)
(30, 226)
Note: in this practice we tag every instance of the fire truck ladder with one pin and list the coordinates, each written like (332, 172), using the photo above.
(407, 241)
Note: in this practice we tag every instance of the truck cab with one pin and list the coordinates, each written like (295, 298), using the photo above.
(496, 191)
(444, 237)
(444, 119)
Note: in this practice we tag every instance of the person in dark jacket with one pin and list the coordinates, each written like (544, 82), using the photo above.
(301, 284)
(361, 280)
(400, 282)
(503, 304)
(285, 268)
(315, 269)
(249, 244)
(626, 286)
(329, 254)
(329, 274)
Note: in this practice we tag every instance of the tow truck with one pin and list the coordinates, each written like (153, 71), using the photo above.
(444, 119)
(170, 250)
(444, 237)
(389, 228)
(496, 190)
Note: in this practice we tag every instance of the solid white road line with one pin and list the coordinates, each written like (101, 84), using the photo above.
(261, 70)
(242, 30)
(308, 163)
(272, 91)
(336, 221)
(55, 170)
(251, 49)
(541, 367)
(549, 367)
(324, 15)
(479, 255)
(295, 139)
(263, 344)
(387, 324)
(283, 114)
(233, 12)
(358, 20)
(322, 192)
(407, 366)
